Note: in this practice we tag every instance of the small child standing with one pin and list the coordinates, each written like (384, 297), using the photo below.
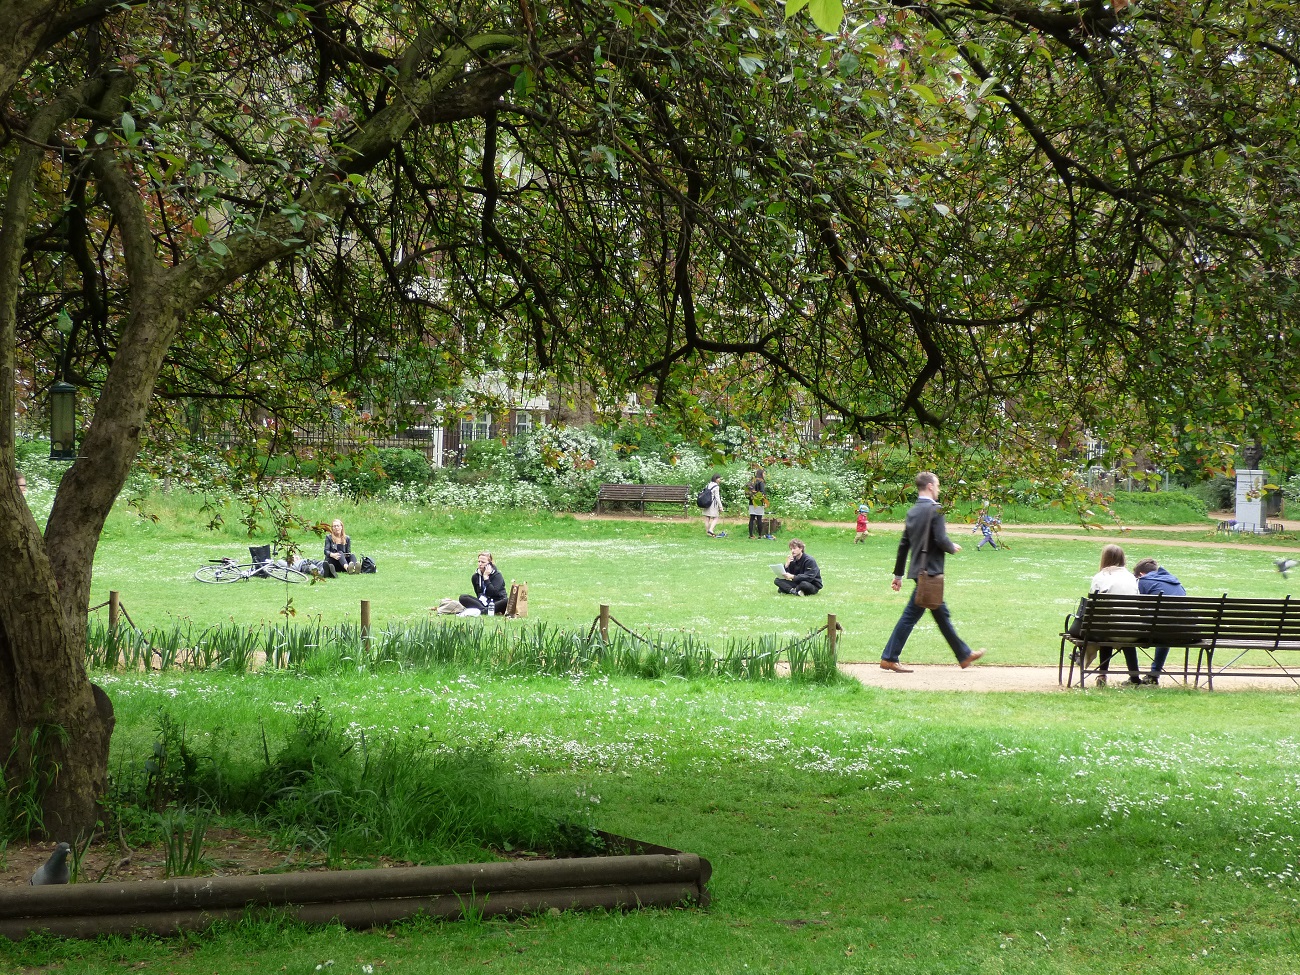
(863, 511)
(987, 525)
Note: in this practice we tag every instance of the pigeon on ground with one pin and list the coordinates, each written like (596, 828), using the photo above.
(55, 869)
(1286, 565)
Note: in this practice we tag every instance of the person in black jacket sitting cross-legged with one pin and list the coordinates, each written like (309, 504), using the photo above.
(802, 577)
(489, 584)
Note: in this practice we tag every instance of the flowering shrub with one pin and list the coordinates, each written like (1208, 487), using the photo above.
(556, 455)
(484, 496)
(550, 469)
(828, 488)
(685, 465)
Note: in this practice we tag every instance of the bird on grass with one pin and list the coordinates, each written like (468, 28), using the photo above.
(1286, 565)
(54, 870)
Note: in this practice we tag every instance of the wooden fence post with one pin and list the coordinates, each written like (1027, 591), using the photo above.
(365, 622)
(114, 607)
(831, 632)
(604, 622)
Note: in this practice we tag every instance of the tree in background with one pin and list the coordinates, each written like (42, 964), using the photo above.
(1002, 219)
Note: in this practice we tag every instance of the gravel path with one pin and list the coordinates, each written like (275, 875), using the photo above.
(1068, 532)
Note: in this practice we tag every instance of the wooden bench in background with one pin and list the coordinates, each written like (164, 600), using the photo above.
(642, 495)
(1234, 625)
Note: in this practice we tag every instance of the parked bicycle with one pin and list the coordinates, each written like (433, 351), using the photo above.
(262, 566)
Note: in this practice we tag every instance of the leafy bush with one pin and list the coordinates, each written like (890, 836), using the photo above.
(1291, 488)
(490, 457)
(561, 469)
(828, 487)
(482, 493)
(402, 466)
(359, 475)
(31, 451)
(1219, 493)
(555, 455)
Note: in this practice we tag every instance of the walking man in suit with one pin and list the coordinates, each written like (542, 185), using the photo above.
(922, 516)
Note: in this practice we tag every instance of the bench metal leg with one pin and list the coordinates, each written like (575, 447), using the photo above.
(1208, 657)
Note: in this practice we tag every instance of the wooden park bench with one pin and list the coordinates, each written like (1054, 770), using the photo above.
(1229, 527)
(1207, 625)
(643, 494)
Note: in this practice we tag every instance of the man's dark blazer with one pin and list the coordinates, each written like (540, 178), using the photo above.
(940, 543)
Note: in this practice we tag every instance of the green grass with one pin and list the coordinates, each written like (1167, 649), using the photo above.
(657, 576)
(850, 830)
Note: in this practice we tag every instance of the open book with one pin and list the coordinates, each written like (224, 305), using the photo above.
(778, 569)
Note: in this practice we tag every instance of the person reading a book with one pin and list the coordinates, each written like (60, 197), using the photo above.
(802, 577)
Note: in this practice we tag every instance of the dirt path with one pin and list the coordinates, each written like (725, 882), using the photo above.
(950, 677)
(1012, 532)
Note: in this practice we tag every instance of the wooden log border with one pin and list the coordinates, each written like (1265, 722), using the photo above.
(646, 876)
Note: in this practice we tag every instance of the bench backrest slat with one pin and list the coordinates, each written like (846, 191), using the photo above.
(1109, 619)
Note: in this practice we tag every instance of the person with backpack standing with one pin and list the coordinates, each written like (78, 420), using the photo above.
(710, 500)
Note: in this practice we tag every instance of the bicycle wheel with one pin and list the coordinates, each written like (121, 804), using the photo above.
(281, 573)
(218, 573)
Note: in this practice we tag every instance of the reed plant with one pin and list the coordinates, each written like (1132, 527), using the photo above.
(184, 832)
(526, 649)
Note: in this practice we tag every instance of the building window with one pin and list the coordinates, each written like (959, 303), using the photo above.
(524, 423)
(476, 428)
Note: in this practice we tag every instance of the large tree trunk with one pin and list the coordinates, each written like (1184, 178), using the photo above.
(54, 725)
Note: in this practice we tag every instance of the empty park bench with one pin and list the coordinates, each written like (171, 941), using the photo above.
(642, 495)
(1233, 625)
(1230, 527)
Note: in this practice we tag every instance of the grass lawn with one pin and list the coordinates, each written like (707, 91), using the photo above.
(850, 830)
(655, 575)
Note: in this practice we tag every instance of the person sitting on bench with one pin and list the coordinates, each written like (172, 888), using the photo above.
(1114, 578)
(1155, 580)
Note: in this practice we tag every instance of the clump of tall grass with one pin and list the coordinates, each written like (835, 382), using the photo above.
(411, 797)
(522, 649)
(341, 795)
(26, 773)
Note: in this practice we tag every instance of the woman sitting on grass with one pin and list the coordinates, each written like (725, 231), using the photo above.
(489, 589)
(338, 550)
